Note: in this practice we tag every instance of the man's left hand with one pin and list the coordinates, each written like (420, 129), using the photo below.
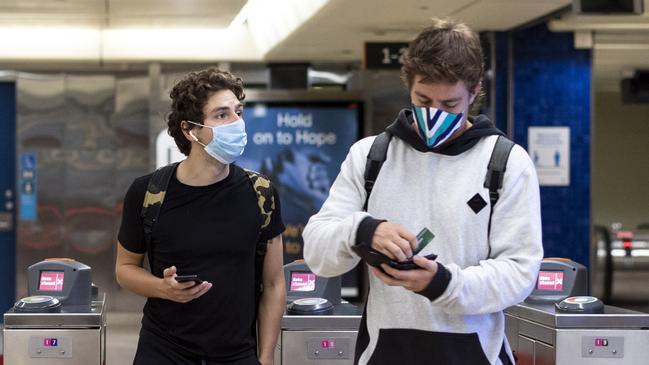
(415, 280)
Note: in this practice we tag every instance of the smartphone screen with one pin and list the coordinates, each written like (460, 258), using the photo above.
(423, 238)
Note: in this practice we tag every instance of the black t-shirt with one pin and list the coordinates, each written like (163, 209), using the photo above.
(211, 231)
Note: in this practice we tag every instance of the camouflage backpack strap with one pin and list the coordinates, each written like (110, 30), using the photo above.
(153, 198)
(265, 197)
(266, 203)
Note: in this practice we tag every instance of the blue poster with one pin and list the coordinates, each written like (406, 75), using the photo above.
(300, 148)
(27, 186)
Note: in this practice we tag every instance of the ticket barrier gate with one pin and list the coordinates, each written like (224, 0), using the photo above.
(318, 327)
(558, 324)
(61, 322)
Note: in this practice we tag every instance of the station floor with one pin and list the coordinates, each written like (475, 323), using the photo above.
(121, 339)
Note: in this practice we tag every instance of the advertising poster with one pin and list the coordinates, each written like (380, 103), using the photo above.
(300, 147)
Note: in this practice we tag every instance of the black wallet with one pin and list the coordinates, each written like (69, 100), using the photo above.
(375, 258)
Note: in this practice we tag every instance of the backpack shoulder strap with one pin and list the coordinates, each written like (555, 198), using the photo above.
(265, 198)
(266, 203)
(496, 171)
(153, 198)
(375, 158)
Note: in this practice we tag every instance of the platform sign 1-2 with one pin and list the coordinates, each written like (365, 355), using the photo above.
(384, 55)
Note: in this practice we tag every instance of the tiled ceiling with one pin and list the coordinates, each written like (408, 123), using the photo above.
(339, 30)
(336, 32)
(121, 13)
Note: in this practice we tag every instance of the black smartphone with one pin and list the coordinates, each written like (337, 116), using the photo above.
(375, 258)
(371, 256)
(409, 264)
(186, 278)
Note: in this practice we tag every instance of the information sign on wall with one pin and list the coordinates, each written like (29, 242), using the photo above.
(549, 148)
(27, 186)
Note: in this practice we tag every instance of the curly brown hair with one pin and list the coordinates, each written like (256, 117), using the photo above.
(189, 96)
(444, 51)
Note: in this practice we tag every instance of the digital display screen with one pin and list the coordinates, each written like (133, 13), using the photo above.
(550, 280)
(302, 281)
(51, 281)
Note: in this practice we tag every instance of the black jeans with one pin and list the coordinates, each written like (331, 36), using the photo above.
(153, 350)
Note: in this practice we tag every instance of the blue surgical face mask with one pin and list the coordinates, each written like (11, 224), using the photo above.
(228, 141)
(435, 125)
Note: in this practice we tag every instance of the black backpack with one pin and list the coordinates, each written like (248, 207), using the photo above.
(493, 180)
(154, 197)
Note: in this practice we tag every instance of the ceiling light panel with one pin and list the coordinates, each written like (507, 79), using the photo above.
(163, 13)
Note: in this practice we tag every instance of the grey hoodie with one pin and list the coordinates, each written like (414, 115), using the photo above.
(458, 318)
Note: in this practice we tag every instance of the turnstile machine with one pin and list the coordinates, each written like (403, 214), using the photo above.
(318, 328)
(558, 324)
(61, 322)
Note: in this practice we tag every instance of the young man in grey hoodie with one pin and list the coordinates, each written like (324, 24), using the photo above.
(448, 310)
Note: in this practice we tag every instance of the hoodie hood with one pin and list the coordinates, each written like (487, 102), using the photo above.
(481, 127)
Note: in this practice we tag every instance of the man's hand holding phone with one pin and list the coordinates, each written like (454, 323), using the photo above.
(383, 249)
(415, 280)
(393, 256)
(398, 244)
(187, 288)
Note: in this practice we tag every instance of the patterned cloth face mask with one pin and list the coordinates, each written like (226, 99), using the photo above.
(228, 141)
(436, 125)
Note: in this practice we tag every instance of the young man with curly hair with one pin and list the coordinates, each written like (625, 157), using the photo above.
(208, 225)
(448, 311)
